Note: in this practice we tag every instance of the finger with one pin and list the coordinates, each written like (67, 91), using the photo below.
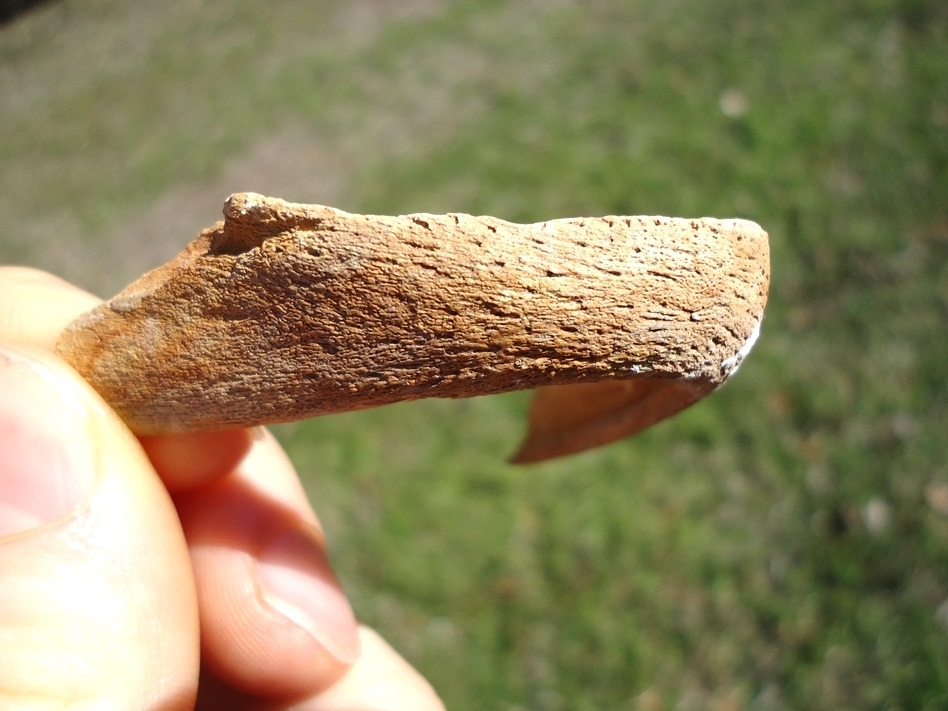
(190, 459)
(97, 600)
(274, 620)
(37, 306)
(379, 681)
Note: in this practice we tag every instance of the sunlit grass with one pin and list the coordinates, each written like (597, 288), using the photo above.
(780, 546)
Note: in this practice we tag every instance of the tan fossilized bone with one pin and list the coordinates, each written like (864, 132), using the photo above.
(285, 311)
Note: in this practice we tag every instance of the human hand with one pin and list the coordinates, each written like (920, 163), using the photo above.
(131, 569)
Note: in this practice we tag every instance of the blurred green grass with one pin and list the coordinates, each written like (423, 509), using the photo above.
(783, 545)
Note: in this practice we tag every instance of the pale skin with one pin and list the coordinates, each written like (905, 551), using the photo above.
(133, 569)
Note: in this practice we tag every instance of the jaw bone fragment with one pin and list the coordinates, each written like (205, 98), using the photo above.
(284, 311)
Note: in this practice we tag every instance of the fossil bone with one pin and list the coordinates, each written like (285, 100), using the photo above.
(284, 311)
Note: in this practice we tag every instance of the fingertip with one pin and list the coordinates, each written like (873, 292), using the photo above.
(381, 680)
(38, 305)
(97, 584)
(274, 620)
(297, 582)
(191, 459)
(48, 459)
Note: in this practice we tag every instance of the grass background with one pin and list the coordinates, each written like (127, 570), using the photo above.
(784, 544)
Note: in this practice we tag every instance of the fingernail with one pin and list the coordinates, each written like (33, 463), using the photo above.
(299, 584)
(47, 458)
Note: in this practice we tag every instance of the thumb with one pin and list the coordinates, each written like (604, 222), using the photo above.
(97, 601)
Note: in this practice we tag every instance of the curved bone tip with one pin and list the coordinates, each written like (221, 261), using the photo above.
(731, 365)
